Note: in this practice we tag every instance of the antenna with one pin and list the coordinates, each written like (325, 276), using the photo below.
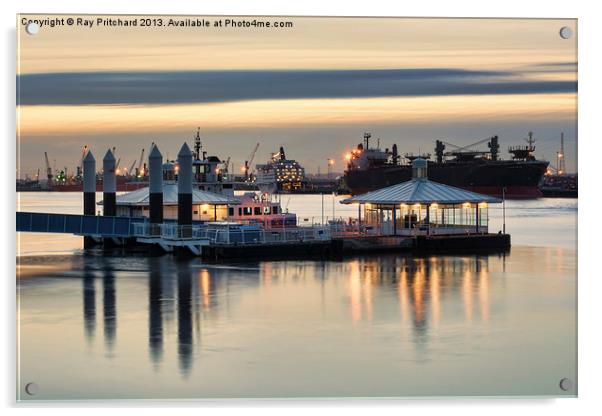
(531, 141)
(197, 144)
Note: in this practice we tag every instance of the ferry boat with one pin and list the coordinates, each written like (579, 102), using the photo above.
(213, 197)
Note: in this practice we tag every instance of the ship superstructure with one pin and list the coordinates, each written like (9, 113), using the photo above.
(280, 174)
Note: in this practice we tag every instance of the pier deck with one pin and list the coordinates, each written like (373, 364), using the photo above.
(199, 240)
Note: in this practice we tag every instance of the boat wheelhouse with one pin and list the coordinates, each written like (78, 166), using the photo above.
(261, 209)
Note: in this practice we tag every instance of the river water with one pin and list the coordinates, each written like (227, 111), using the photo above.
(95, 327)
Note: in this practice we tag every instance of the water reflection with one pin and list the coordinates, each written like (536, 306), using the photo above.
(155, 311)
(422, 286)
(184, 318)
(89, 298)
(426, 291)
(109, 307)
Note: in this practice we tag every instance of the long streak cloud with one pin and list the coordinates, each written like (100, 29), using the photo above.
(183, 87)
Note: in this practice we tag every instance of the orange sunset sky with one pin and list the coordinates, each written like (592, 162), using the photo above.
(314, 88)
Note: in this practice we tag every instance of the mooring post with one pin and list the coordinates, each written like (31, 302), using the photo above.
(428, 219)
(109, 185)
(155, 196)
(185, 191)
(89, 191)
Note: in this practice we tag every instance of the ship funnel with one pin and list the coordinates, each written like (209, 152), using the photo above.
(419, 168)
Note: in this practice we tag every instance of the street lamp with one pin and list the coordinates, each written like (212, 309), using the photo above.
(330, 165)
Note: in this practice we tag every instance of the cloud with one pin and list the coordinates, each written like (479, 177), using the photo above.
(179, 87)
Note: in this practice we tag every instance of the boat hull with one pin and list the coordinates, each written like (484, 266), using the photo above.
(520, 179)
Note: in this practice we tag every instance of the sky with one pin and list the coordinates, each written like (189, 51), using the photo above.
(314, 88)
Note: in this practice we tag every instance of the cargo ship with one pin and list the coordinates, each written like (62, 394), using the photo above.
(370, 168)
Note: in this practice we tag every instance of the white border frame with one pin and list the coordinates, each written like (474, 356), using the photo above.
(589, 154)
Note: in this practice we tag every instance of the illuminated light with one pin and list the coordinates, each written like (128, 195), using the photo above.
(483, 205)
(466, 205)
(416, 206)
(348, 156)
(435, 206)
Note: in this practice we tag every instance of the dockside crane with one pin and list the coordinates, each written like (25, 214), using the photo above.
(249, 162)
(139, 172)
(49, 174)
(464, 148)
(131, 170)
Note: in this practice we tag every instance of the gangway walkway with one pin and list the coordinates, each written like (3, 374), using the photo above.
(84, 225)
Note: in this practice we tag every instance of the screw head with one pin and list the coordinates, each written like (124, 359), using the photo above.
(566, 32)
(31, 388)
(32, 28)
(566, 384)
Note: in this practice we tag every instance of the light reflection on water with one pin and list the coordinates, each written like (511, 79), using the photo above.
(137, 327)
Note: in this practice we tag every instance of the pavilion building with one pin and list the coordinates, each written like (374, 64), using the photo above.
(422, 207)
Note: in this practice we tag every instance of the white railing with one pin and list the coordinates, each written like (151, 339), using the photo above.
(232, 235)
(339, 230)
(181, 232)
(237, 236)
(141, 229)
(146, 229)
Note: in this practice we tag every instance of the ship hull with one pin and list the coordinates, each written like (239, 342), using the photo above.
(520, 179)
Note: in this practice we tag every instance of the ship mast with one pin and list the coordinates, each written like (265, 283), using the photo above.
(367, 140)
(197, 144)
(531, 141)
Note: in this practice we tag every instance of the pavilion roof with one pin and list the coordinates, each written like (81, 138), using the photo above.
(420, 191)
(140, 197)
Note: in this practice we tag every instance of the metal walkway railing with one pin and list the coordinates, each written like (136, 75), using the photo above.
(85, 225)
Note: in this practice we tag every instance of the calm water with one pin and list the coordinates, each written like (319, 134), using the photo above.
(93, 327)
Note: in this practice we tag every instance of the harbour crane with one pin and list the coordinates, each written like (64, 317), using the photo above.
(463, 148)
(131, 170)
(48, 168)
(81, 162)
(249, 162)
(138, 169)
